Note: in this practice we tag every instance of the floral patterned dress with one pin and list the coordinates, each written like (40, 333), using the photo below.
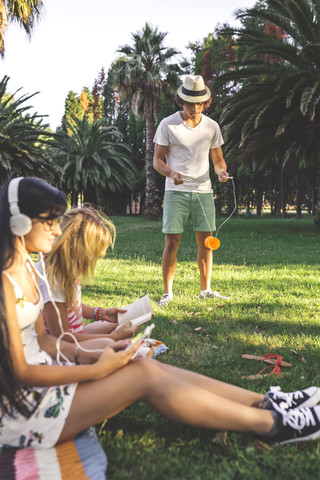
(49, 406)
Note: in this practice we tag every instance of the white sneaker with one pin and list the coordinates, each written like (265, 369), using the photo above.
(165, 300)
(211, 294)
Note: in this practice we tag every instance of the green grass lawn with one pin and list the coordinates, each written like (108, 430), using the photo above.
(270, 270)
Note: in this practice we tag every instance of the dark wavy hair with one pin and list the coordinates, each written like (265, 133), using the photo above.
(181, 102)
(35, 197)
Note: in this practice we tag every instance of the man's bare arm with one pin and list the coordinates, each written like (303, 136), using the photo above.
(220, 166)
(161, 167)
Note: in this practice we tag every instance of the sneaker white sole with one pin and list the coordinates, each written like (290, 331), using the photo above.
(308, 438)
(312, 401)
(214, 294)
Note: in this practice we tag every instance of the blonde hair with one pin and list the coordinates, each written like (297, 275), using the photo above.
(86, 235)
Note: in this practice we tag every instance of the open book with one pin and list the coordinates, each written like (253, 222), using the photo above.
(138, 312)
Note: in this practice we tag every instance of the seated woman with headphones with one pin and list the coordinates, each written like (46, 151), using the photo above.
(31, 384)
(86, 235)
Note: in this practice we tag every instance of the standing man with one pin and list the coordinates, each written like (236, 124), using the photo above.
(183, 142)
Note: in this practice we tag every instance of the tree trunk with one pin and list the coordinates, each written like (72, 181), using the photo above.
(259, 194)
(317, 201)
(74, 199)
(272, 201)
(248, 210)
(152, 199)
(298, 193)
(283, 193)
(313, 200)
(275, 196)
(113, 203)
(90, 195)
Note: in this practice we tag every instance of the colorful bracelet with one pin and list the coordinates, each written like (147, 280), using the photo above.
(97, 314)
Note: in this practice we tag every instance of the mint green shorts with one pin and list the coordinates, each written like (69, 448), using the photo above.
(179, 206)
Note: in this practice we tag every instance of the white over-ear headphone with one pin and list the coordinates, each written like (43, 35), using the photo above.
(19, 223)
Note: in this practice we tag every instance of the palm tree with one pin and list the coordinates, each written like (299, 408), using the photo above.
(23, 138)
(142, 74)
(92, 157)
(276, 112)
(25, 12)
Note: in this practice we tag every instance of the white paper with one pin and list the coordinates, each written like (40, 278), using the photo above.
(137, 312)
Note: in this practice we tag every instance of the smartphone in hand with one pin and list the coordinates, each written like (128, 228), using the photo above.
(146, 334)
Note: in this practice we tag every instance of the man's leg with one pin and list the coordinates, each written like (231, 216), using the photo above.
(204, 260)
(205, 267)
(203, 218)
(176, 210)
(169, 260)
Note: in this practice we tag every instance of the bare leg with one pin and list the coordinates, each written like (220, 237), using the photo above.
(225, 390)
(169, 260)
(99, 327)
(204, 260)
(148, 381)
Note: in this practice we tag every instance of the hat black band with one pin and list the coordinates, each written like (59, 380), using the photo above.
(192, 93)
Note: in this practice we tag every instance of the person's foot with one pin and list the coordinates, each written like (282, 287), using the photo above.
(211, 294)
(299, 425)
(165, 299)
(282, 401)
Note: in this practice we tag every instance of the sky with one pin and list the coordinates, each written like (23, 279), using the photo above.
(76, 38)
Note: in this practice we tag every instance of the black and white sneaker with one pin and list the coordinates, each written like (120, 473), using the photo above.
(300, 425)
(282, 401)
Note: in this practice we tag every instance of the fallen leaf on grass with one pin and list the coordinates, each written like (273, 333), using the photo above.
(197, 329)
(258, 376)
(260, 445)
(298, 355)
(209, 309)
(221, 438)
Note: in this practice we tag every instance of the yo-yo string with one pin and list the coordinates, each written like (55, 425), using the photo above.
(235, 206)
(193, 184)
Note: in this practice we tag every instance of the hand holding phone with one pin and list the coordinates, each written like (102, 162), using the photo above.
(146, 334)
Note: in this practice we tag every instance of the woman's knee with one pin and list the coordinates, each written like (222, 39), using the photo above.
(150, 369)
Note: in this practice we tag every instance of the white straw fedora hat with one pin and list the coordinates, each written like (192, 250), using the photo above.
(194, 90)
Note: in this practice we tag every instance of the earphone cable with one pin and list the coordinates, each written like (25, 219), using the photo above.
(59, 354)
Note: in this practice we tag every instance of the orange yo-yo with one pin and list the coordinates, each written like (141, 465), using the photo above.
(212, 242)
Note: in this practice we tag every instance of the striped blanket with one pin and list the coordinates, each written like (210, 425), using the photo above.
(79, 459)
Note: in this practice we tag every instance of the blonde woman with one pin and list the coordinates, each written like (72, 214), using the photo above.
(86, 235)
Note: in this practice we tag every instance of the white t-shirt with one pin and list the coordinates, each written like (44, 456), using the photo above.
(188, 151)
